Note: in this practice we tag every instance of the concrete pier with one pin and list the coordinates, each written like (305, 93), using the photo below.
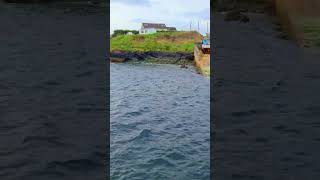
(202, 61)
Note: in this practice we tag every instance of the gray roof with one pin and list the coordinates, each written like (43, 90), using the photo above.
(171, 28)
(153, 25)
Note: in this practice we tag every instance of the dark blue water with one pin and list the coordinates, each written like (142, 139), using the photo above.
(53, 93)
(159, 123)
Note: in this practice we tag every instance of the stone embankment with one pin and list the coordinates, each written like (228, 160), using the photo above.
(157, 57)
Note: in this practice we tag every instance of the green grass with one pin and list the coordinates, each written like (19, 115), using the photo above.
(311, 31)
(162, 41)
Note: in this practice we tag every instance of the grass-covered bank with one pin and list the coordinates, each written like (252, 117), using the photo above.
(159, 48)
(161, 42)
(311, 31)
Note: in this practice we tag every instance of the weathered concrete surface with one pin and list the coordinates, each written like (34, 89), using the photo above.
(202, 61)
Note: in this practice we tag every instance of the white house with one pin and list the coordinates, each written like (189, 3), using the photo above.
(149, 28)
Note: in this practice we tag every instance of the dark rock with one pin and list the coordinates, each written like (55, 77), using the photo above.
(117, 60)
(188, 57)
(122, 56)
(184, 66)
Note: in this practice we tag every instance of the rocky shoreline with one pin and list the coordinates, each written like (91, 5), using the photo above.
(154, 57)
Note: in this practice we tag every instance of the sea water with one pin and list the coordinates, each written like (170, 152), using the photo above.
(160, 123)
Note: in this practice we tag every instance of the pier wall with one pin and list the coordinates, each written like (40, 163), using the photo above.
(202, 61)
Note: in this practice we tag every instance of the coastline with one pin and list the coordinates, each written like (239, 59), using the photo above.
(152, 57)
(200, 61)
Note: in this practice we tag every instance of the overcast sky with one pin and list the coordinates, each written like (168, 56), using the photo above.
(129, 14)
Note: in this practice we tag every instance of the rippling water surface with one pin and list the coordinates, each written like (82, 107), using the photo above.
(159, 122)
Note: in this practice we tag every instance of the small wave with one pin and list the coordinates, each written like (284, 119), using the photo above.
(126, 127)
(159, 162)
(176, 156)
(133, 114)
(143, 135)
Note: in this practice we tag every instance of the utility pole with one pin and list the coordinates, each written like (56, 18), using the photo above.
(190, 25)
(198, 27)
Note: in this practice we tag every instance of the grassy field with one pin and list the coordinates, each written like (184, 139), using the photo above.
(311, 31)
(161, 41)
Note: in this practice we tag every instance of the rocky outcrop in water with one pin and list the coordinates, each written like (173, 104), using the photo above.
(157, 57)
